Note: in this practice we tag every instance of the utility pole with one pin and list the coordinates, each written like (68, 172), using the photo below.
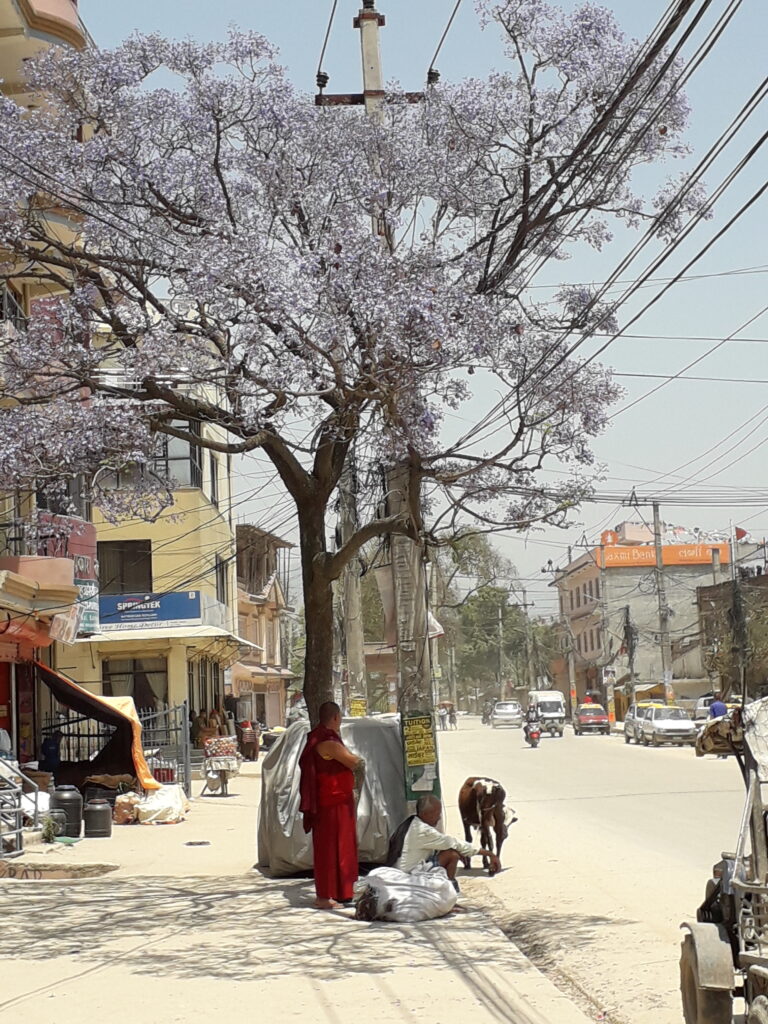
(630, 643)
(565, 630)
(500, 669)
(530, 668)
(352, 608)
(738, 619)
(666, 647)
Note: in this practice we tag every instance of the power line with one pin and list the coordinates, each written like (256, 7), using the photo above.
(432, 72)
(704, 355)
(498, 411)
(321, 76)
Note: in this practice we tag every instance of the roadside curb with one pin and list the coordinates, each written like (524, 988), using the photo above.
(530, 993)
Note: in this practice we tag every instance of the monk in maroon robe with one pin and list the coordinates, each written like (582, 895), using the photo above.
(328, 807)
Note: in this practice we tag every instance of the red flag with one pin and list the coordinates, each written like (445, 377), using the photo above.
(740, 534)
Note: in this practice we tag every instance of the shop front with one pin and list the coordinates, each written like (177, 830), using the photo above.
(160, 649)
(32, 606)
(260, 693)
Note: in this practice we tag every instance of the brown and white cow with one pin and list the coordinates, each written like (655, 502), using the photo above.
(481, 805)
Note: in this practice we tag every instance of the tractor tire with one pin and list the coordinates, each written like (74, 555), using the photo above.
(758, 1011)
(702, 1006)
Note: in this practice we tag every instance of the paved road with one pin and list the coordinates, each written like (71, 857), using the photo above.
(612, 850)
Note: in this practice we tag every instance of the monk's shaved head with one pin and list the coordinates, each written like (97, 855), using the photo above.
(328, 712)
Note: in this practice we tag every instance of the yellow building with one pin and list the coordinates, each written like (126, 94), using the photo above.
(167, 593)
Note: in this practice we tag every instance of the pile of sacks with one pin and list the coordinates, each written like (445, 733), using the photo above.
(387, 894)
(165, 806)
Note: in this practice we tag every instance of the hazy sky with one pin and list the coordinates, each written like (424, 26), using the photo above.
(710, 431)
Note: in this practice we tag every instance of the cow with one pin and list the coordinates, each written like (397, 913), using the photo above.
(481, 805)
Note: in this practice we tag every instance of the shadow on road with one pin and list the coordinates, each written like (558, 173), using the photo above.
(236, 929)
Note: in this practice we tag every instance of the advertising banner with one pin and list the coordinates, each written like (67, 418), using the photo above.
(139, 611)
(358, 707)
(420, 756)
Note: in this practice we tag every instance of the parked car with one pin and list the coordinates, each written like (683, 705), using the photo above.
(507, 712)
(633, 719)
(668, 724)
(591, 718)
(703, 704)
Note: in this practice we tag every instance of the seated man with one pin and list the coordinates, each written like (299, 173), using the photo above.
(417, 840)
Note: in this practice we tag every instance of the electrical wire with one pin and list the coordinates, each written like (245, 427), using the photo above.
(325, 41)
(446, 30)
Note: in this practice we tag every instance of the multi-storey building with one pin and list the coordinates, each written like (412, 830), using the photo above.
(47, 554)
(158, 620)
(609, 611)
(260, 679)
(167, 630)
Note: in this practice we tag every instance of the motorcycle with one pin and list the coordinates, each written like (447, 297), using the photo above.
(532, 734)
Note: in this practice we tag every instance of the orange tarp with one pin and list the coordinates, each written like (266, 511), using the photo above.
(117, 711)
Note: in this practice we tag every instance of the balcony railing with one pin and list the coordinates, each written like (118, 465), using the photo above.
(10, 309)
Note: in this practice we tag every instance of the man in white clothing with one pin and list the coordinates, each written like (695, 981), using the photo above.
(418, 840)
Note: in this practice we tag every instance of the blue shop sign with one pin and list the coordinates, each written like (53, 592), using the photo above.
(138, 611)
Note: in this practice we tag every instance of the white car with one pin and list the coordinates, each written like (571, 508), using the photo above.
(507, 712)
(667, 724)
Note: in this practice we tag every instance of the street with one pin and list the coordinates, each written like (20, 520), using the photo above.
(612, 850)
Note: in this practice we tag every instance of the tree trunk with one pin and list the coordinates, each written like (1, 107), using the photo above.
(318, 611)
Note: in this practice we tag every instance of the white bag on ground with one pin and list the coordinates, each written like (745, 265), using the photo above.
(164, 806)
(418, 896)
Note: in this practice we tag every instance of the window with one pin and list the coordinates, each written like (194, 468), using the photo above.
(68, 500)
(179, 460)
(191, 686)
(214, 467)
(11, 308)
(578, 597)
(597, 589)
(144, 679)
(570, 597)
(220, 571)
(125, 566)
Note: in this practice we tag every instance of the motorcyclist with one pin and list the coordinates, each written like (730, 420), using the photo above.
(487, 712)
(532, 718)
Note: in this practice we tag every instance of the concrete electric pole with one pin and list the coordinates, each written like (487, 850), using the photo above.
(661, 591)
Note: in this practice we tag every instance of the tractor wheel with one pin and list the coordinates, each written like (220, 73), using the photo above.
(758, 1011)
(700, 1005)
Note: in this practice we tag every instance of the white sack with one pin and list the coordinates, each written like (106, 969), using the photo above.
(283, 846)
(418, 896)
(164, 806)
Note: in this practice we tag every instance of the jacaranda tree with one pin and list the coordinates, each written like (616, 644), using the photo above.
(315, 282)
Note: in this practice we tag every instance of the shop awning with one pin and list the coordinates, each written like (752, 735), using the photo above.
(166, 633)
(119, 712)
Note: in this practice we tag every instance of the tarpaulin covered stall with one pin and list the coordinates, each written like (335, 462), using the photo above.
(284, 848)
(123, 753)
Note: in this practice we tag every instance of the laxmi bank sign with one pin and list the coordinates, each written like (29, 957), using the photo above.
(618, 556)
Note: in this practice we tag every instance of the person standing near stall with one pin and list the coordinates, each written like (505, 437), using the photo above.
(328, 807)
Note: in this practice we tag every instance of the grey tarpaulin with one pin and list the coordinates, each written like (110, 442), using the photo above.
(283, 847)
(756, 734)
